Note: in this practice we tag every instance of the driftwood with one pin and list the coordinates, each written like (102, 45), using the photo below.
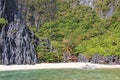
(73, 58)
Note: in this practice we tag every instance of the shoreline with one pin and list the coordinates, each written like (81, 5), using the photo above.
(78, 65)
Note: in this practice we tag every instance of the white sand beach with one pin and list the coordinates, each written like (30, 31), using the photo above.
(78, 65)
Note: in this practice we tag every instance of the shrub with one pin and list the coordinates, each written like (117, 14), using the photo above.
(3, 21)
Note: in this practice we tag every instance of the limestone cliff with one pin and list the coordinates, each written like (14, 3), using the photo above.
(98, 5)
(15, 38)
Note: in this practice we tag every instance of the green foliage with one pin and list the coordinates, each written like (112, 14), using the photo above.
(88, 32)
(37, 12)
(106, 45)
(3, 21)
(50, 57)
(104, 5)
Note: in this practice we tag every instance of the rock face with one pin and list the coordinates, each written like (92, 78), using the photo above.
(109, 13)
(92, 4)
(96, 58)
(87, 3)
(82, 58)
(16, 40)
(42, 11)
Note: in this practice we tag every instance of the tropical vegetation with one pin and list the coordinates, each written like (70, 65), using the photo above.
(76, 28)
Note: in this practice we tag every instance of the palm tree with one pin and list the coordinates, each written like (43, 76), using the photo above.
(67, 49)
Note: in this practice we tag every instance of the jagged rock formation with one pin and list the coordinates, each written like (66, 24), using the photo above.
(92, 3)
(16, 40)
(37, 12)
(87, 3)
(109, 13)
(82, 58)
(96, 58)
